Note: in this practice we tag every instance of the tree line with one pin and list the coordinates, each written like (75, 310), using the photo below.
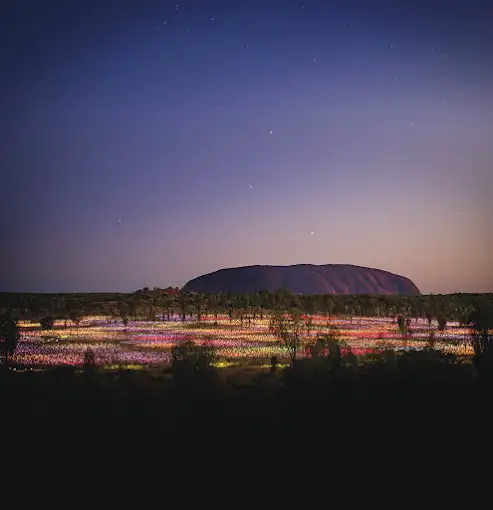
(155, 304)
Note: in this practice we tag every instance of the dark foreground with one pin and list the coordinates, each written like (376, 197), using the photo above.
(421, 396)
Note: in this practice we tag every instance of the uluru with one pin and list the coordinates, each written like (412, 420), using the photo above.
(304, 279)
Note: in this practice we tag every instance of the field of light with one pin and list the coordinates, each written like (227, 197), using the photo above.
(150, 343)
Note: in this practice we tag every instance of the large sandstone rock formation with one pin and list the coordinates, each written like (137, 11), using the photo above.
(304, 279)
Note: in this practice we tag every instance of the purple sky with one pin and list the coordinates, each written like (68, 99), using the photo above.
(146, 145)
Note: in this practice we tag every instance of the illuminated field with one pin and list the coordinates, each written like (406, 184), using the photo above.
(149, 343)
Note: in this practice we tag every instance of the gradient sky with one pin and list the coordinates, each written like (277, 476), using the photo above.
(144, 143)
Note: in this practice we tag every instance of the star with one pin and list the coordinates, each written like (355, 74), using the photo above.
(311, 233)
(270, 131)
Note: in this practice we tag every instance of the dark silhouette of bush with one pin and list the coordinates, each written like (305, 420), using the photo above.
(75, 316)
(192, 363)
(47, 323)
(89, 362)
(325, 365)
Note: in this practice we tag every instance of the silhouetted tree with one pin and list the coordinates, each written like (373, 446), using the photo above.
(289, 332)
(429, 317)
(151, 308)
(212, 306)
(198, 303)
(133, 306)
(9, 337)
(183, 303)
(47, 322)
(123, 310)
(402, 325)
(442, 322)
(167, 304)
(481, 322)
(75, 316)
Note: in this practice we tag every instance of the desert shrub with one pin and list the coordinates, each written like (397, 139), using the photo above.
(47, 322)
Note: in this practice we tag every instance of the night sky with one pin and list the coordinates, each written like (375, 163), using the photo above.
(144, 143)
